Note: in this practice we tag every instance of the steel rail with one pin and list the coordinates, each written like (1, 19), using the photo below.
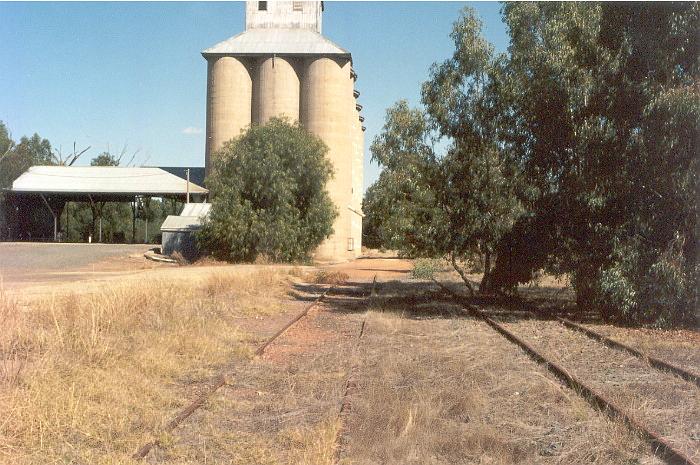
(221, 380)
(652, 361)
(612, 343)
(659, 446)
(350, 386)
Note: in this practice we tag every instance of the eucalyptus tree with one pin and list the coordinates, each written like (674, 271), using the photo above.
(455, 203)
(574, 152)
(482, 189)
(605, 106)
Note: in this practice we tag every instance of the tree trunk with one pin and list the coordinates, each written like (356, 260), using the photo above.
(462, 274)
(485, 280)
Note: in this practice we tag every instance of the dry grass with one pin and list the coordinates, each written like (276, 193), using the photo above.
(314, 445)
(660, 400)
(441, 391)
(281, 408)
(330, 277)
(89, 379)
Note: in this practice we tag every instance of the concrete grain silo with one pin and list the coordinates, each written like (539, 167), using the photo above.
(229, 98)
(282, 66)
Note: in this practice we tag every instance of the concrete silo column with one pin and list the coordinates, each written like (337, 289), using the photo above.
(229, 100)
(277, 90)
(326, 93)
(357, 176)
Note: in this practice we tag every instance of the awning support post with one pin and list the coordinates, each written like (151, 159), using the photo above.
(93, 210)
(55, 220)
(133, 221)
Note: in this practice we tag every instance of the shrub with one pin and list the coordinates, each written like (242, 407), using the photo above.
(647, 287)
(425, 268)
(330, 277)
(268, 196)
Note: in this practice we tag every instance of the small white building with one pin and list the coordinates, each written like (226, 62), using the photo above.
(179, 231)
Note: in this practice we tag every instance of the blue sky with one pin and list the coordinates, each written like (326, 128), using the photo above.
(131, 74)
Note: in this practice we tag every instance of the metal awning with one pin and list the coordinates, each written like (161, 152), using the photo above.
(56, 185)
(102, 183)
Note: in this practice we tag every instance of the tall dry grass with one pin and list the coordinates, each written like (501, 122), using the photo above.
(89, 379)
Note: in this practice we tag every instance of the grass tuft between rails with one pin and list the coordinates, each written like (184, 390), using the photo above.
(89, 379)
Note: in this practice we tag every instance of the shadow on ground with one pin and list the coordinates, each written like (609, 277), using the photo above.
(417, 299)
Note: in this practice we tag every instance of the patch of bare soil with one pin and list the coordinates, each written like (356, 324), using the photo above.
(364, 269)
(680, 347)
(86, 282)
(666, 403)
(435, 388)
(281, 408)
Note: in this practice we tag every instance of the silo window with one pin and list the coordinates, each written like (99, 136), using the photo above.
(262, 6)
(297, 6)
(351, 243)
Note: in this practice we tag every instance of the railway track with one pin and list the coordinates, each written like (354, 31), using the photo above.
(223, 379)
(351, 384)
(612, 378)
(653, 361)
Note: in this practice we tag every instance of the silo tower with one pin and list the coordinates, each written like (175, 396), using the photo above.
(282, 66)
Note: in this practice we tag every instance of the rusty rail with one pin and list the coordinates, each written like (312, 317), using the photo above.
(221, 380)
(659, 446)
(612, 343)
(350, 386)
(652, 361)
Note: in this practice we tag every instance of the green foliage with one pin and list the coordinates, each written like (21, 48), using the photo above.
(268, 195)
(575, 152)
(78, 221)
(105, 159)
(604, 109)
(403, 200)
(15, 159)
(661, 282)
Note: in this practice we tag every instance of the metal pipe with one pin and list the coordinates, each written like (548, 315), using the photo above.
(188, 185)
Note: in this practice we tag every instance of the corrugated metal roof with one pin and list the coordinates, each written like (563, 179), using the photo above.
(276, 41)
(102, 180)
(196, 209)
(181, 223)
(197, 173)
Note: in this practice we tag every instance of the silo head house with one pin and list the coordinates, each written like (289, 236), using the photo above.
(282, 66)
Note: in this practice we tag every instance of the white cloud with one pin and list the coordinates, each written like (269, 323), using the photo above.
(190, 130)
